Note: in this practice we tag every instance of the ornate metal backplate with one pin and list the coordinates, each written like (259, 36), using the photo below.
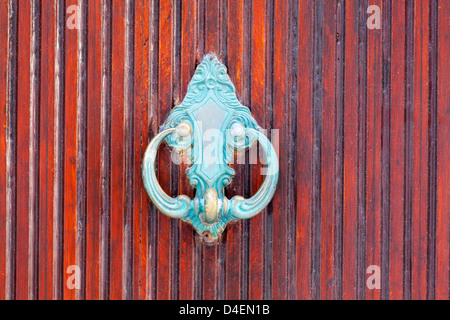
(210, 124)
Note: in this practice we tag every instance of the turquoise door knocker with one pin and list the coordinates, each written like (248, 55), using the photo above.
(210, 125)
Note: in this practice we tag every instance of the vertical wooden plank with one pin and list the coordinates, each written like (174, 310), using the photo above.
(33, 204)
(443, 187)
(93, 153)
(117, 149)
(328, 170)
(234, 232)
(408, 193)
(350, 151)
(362, 162)
(291, 121)
(398, 46)
(81, 145)
(304, 147)
(280, 201)
(432, 151)
(362, 151)
(46, 149)
(259, 109)
(23, 152)
(385, 219)
(420, 150)
(153, 126)
(269, 98)
(4, 52)
(189, 39)
(59, 151)
(355, 151)
(140, 215)
(212, 26)
(70, 154)
(373, 149)
(317, 132)
(165, 102)
(11, 150)
(127, 280)
(105, 161)
(339, 155)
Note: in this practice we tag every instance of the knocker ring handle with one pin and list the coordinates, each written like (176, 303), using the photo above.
(210, 124)
(247, 208)
(175, 208)
(239, 208)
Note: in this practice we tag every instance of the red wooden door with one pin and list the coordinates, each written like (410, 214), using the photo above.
(363, 120)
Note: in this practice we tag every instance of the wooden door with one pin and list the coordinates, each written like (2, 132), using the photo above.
(363, 120)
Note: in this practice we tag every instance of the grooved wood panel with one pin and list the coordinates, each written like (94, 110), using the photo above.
(363, 120)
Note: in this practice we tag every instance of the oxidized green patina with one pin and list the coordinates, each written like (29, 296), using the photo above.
(210, 124)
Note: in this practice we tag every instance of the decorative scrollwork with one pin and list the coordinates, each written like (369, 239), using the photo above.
(217, 124)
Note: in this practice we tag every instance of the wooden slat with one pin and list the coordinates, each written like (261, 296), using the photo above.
(165, 245)
(280, 205)
(153, 130)
(268, 218)
(59, 152)
(385, 197)
(3, 122)
(407, 267)
(11, 150)
(33, 204)
(432, 153)
(328, 171)
(23, 149)
(398, 45)
(350, 188)
(117, 149)
(304, 148)
(46, 150)
(141, 201)
(373, 150)
(291, 121)
(234, 233)
(127, 254)
(81, 145)
(420, 150)
(443, 151)
(362, 142)
(339, 154)
(70, 155)
(105, 161)
(93, 148)
(259, 110)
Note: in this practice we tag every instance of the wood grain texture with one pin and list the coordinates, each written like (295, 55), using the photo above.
(59, 139)
(117, 150)
(46, 152)
(93, 145)
(443, 149)
(23, 149)
(359, 117)
(3, 122)
(397, 158)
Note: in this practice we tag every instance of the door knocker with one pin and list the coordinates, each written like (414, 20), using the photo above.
(210, 124)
